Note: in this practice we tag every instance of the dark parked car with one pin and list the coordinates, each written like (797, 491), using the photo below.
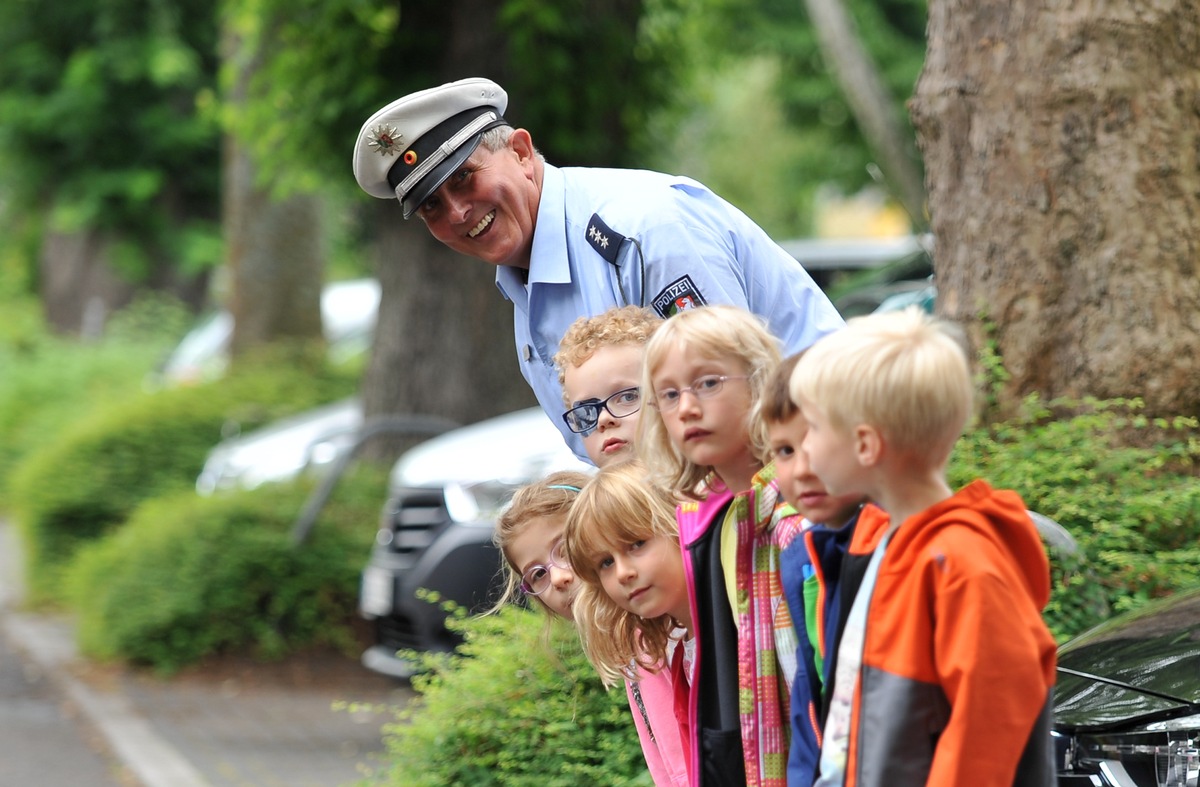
(1127, 700)
(436, 529)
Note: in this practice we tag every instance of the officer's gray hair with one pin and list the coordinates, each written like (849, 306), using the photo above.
(497, 139)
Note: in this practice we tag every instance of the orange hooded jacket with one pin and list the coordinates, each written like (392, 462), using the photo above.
(958, 666)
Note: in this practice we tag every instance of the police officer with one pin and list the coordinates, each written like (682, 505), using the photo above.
(574, 241)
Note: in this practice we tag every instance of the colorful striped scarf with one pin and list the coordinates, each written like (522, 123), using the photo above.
(766, 638)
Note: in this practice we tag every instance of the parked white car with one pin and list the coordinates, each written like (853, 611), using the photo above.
(308, 442)
(348, 312)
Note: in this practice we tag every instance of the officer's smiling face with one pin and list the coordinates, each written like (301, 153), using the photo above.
(488, 208)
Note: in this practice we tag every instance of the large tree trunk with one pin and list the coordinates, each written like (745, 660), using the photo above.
(276, 257)
(274, 247)
(444, 339)
(80, 288)
(1062, 153)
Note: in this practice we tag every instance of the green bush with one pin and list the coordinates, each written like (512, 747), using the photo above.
(1123, 485)
(190, 576)
(512, 708)
(47, 382)
(87, 481)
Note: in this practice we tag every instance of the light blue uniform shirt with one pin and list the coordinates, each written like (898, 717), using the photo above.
(612, 237)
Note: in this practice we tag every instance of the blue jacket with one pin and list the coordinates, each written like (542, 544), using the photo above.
(810, 569)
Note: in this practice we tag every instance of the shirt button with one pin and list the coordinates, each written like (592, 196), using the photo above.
(526, 353)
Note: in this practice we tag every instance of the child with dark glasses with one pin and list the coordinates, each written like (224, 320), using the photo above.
(599, 362)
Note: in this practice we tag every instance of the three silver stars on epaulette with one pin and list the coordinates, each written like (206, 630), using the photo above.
(598, 237)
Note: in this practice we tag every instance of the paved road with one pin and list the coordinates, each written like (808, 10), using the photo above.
(65, 722)
(45, 740)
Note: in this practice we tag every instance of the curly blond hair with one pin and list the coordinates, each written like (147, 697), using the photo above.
(617, 326)
(618, 507)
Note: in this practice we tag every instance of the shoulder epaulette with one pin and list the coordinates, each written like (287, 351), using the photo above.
(603, 239)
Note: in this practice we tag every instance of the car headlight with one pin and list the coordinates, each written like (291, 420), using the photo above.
(1163, 754)
(478, 503)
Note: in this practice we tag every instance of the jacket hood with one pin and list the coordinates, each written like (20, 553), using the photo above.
(996, 514)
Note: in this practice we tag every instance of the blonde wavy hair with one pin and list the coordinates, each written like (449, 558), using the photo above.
(715, 332)
(618, 326)
(617, 508)
(906, 373)
(552, 496)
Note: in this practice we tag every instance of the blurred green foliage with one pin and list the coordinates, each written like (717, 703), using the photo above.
(107, 125)
(187, 576)
(1126, 487)
(759, 118)
(512, 708)
(111, 114)
(48, 382)
(87, 478)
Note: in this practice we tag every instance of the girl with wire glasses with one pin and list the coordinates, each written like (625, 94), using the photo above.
(703, 373)
(529, 534)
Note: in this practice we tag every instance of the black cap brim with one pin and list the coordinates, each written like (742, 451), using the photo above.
(431, 182)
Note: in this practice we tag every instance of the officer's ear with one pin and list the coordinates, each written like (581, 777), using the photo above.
(522, 144)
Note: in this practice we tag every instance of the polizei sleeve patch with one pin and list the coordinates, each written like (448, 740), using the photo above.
(606, 242)
(680, 295)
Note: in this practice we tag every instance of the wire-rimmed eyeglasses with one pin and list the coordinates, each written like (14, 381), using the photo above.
(667, 399)
(536, 579)
(583, 417)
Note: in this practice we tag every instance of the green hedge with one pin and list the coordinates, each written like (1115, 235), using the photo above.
(1123, 485)
(89, 479)
(46, 382)
(190, 576)
(513, 708)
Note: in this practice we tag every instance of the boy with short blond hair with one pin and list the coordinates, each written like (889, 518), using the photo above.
(944, 667)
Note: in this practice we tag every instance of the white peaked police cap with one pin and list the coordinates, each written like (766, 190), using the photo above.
(407, 149)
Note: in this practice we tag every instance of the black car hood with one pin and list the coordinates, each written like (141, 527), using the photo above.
(1152, 653)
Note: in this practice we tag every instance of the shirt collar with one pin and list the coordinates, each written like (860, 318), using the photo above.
(548, 261)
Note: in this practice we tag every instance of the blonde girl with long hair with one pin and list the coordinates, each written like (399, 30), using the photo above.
(703, 374)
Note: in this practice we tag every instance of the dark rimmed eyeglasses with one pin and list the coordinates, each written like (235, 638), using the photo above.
(536, 579)
(583, 417)
(667, 399)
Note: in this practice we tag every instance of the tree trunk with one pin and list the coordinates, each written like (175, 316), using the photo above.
(870, 102)
(1062, 153)
(444, 339)
(80, 289)
(274, 247)
(276, 258)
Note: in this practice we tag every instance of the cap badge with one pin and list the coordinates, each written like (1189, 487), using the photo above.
(385, 139)
(410, 157)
